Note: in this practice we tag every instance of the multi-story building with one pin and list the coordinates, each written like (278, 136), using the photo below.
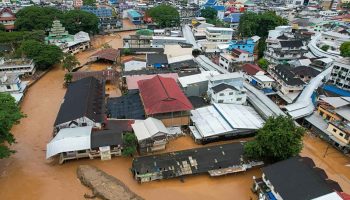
(100, 12)
(340, 75)
(228, 61)
(245, 45)
(7, 18)
(18, 66)
(218, 34)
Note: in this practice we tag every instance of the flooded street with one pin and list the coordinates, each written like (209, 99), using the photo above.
(28, 175)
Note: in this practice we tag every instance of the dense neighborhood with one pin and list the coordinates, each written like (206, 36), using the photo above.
(191, 99)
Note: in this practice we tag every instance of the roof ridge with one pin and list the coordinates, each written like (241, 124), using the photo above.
(166, 92)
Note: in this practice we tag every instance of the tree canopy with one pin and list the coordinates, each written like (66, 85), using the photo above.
(69, 62)
(263, 63)
(89, 2)
(277, 140)
(164, 15)
(251, 24)
(2, 28)
(44, 55)
(209, 13)
(41, 18)
(345, 49)
(129, 144)
(78, 20)
(10, 115)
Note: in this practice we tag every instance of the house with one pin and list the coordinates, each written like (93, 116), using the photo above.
(227, 88)
(11, 83)
(295, 178)
(163, 99)
(340, 75)
(183, 63)
(83, 105)
(198, 30)
(250, 70)
(109, 24)
(288, 84)
(245, 45)
(134, 64)
(233, 19)
(229, 61)
(224, 93)
(263, 82)
(100, 12)
(151, 135)
(305, 73)
(137, 41)
(197, 84)
(157, 60)
(7, 18)
(216, 161)
(108, 54)
(134, 16)
(132, 80)
(21, 66)
(223, 121)
(218, 34)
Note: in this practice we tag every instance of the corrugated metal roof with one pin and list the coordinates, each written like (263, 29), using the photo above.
(145, 129)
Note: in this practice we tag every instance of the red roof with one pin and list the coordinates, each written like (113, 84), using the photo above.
(162, 95)
(237, 52)
(344, 195)
(251, 69)
(9, 11)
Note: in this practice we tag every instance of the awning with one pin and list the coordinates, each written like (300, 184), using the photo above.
(69, 139)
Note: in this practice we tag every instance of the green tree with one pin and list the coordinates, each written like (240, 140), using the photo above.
(261, 47)
(209, 13)
(68, 79)
(10, 115)
(325, 47)
(146, 32)
(69, 62)
(164, 15)
(2, 28)
(263, 63)
(345, 49)
(126, 51)
(36, 18)
(277, 140)
(89, 2)
(129, 144)
(44, 56)
(251, 24)
(78, 20)
(106, 46)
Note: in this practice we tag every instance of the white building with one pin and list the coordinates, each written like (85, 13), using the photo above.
(161, 41)
(11, 83)
(197, 84)
(340, 75)
(218, 34)
(18, 66)
(227, 88)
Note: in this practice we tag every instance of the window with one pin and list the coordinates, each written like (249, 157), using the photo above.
(334, 130)
(346, 136)
(341, 134)
(221, 101)
(231, 93)
(221, 94)
(239, 99)
(8, 87)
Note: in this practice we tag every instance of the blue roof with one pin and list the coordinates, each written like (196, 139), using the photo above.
(134, 13)
(210, 3)
(336, 90)
(271, 196)
(233, 18)
(218, 8)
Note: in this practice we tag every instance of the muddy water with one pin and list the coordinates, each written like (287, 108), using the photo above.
(336, 165)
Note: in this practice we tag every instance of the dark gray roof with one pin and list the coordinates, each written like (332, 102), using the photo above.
(284, 73)
(157, 59)
(305, 71)
(83, 98)
(128, 106)
(112, 135)
(221, 87)
(282, 37)
(295, 179)
(197, 102)
(208, 158)
(292, 43)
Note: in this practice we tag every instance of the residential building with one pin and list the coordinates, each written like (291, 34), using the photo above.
(77, 3)
(223, 121)
(288, 84)
(83, 105)
(197, 84)
(340, 75)
(224, 93)
(134, 16)
(295, 178)
(109, 24)
(199, 29)
(285, 50)
(250, 70)
(216, 161)
(151, 135)
(100, 12)
(161, 41)
(245, 45)
(11, 83)
(21, 66)
(7, 18)
(218, 34)
(229, 61)
(137, 41)
(163, 99)
(157, 60)
(227, 88)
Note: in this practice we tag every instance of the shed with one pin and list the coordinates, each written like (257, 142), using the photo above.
(148, 128)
